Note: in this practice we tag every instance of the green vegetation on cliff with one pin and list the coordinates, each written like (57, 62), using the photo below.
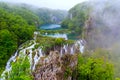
(14, 30)
(95, 21)
(76, 18)
(47, 43)
(93, 69)
(48, 16)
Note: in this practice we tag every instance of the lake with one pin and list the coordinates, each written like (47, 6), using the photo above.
(50, 27)
(58, 35)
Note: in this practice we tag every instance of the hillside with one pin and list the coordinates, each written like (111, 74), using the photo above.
(17, 25)
(29, 53)
(95, 21)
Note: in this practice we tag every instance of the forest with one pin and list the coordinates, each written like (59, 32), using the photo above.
(41, 57)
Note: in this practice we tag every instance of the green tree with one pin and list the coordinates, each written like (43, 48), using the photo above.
(93, 69)
(14, 30)
(77, 17)
(21, 69)
(8, 45)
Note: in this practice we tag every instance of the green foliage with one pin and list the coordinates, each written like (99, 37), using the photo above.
(22, 11)
(98, 53)
(8, 45)
(20, 70)
(59, 41)
(61, 31)
(76, 18)
(47, 16)
(68, 72)
(14, 30)
(117, 79)
(115, 57)
(65, 23)
(48, 43)
(36, 16)
(67, 61)
(93, 69)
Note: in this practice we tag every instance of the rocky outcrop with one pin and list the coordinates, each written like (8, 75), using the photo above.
(53, 66)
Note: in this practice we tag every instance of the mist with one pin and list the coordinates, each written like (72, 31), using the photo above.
(53, 4)
(104, 33)
(105, 21)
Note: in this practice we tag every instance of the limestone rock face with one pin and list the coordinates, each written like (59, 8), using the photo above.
(53, 66)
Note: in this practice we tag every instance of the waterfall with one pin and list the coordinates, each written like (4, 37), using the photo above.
(72, 50)
(30, 58)
(82, 46)
(35, 34)
(13, 58)
(61, 51)
(65, 48)
(37, 58)
(57, 35)
(22, 53)
(33, 59)
(79, 44)
(46, 33)
(8, 65)
(40, 52)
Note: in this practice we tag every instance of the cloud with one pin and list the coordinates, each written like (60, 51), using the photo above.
(54, 4)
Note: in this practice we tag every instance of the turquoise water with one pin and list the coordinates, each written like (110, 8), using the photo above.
(50, 27)
(58, 35)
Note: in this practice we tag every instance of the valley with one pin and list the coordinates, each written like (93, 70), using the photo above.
(46, 44)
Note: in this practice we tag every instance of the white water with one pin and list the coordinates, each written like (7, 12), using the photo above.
(8, 65)
(65, 48)
(38, 54)
(61, 51)
(37, 57)
(30, 58)
(80, 44)
(72, 50)
(57, 35)
(13, 59)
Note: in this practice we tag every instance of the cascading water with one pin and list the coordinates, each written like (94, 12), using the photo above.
(37, 57)
(13, 58)
(61, 51)
(57, 35)
(65, 48)
(80, 44)
(8, 65)
(72, 50)
(30, 58)
(23, 52)
(28, 51)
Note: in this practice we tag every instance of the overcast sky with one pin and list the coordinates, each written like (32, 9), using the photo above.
(54, 4)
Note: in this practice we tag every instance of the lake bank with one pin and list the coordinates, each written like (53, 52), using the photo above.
(55, 30)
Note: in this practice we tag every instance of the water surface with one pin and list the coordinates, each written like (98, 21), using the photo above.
(58, 35)
(50, 27)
